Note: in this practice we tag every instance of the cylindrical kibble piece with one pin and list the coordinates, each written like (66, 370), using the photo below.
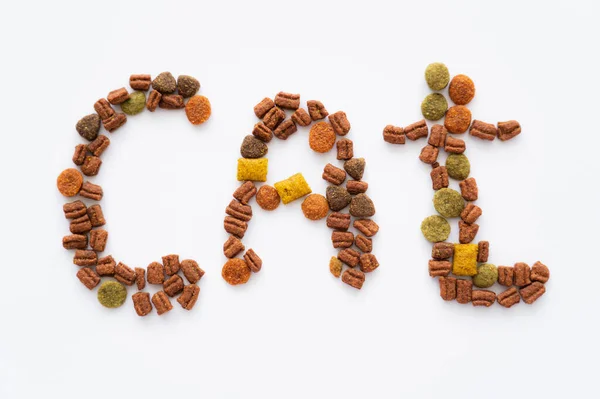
(141, 303)
(161, 302)
(506, 276)
(339, 122)
(354, 278)
(188, 298)
(540, 272)
(448, 288)
(253, 260)
(463, 291)
(192, 272)
(522, 274)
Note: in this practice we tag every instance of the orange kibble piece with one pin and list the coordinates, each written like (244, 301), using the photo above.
(236, 271)
(315, 207)
(198, 110)
(321, 137)
(69, 182)
(461, 90)
(458, 119)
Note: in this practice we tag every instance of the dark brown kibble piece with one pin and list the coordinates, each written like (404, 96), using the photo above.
(339, 122)
(187, 85)
(463, 291)
(140, 82)
(91, 191)
(104, 110)
(362, 206)
(442, 250)
(171, 263)
(316, 109)
(188, 298)
(522, 274)
(262, 132)
(366, 226)
(416, 130)
(429, 154)
(75, 241)
(153, 100)
(354, 278)
(156, 273)
(232, 247)
(287, 100)
(337, 197)
(79, 154)
(508, 130)
(114, 122)
(454, 145)
(301, 117)
(483, 298)
(88, 277)
(239, 210)
(141, 303)
(165, 83)
(349, 256)
(471, 213)
(98, 239)
(439, 268)
(468, 189)
(245, 192)
(140, 278)
(273, 117)
(509, 297)
(448, 288)
(482, 130)
(85, 257)
(467, 232)
(355, 187)
(363, 243)
(98, 146)
(173, 285)
(355, 167)
(89, 126)
(540, 272)
(118, 96)
(96, 215)
(106, 266)
(192, 272)
(342, 239)
(532, 292)
(161, 302)
(91, 165)
(394, 135)
(285, 129)
(368, 263)
(345, 149)
(334, 175)
(124, 274)
(74, 210)
(437, 137)
(80, 225)
(506, 276)
(235, 226)
(261, 109)
(439, 177)
(171, 101)
(483, 251)
(253, 260)
(339, 221)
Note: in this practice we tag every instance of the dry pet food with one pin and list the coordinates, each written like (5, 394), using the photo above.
(292, 188)
(112, 294)
(437, 76)
(252, 169)
(434, 107)
(315, 207)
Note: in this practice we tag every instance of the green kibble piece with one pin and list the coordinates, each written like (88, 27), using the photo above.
(112, 294)
(437, 76)
(135, 104)
(458, 166)
(435, 228)
(448, 202)
(434, 107)
(487, 275)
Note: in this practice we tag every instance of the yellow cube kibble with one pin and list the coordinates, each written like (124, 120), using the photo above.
(252, 169)
(292, 188)
(465, 260)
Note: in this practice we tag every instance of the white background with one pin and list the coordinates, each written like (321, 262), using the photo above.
(294, 331)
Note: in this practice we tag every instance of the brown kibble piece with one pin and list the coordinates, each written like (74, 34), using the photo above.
(540, 272)
(416, 130)
(468, 189)
(509, 297)
(285, 129)
(368, 263)
(454, 145)
(173, 285)
(80, 225)
(239, 210)
(104, 110)
(355, 167)
(471, 213)
(458, 119)
(153, 100)
(439, 268)
(345, 149)
(363, 243)
(394, 135)
(99, 145)
(342, 239)
(354, 278)
(161, 302)
(505, 276)
(85, 258)
(442, 250)
(463, 291)
(315, 207)
(96, 215)
(253, 260)
(448, 288)
(483, 298)
(522, 274)
(316, 109)
(339, 221)
(106, 266)
(335, 267)
(192, 272)
(349, 256)
(334, 175)
(74, 210)
(262, 132)
(339, 122)
(124, 274)
(156, 273)
(429, 154)
(79, 154)
(483, 251)
(141, 303)
(532, 292)
(88, 277)
(438, 135)
(355, 187)
(118, 96)
(362, 206)
(236, 271)
(467, 232)
(197, 110)
(232, 247)
(69, 182)
(235, 226)
(287, 100)
(261, 109)
(98, 239)
(439, 177)
(461, 89)
(508, 130)
(140, 82)
(187, 85)
(366, 226)
(165, 83)
(482, 130)
(114, 122)
(338, 198)
(301, 117)
(245, 192)
(321, 137)
(140, 278)
(171, 263)
(171, 101)
(273, 117)
(268, 198)
(91, 191)
(188, 298)
(91, 165)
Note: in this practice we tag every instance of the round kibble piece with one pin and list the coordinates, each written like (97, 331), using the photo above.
(112, 294)
(236, 271)
(437, 76)
(315, 207)
(487, 275)
(434, 106)
(253, 147)
(461, 90)
(338, 198)
(165, 83)
(362, 206)
(69, 182)
(448, 202)
(435, 228)
(88, 126)
(187, 85)
(458, 166)
(135, 104)
(458, 119)
(321, 137)
(267, 198)
(198, 110)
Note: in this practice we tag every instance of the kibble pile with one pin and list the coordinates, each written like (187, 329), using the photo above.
(463, 259)
(253, 167)
(88, 237)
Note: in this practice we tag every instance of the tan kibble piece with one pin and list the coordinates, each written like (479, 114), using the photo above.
(69, 182)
